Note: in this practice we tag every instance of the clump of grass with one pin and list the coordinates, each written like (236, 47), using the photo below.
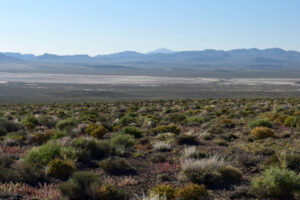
(90, 148)
(211, 171)
(261, 122)
(161, 146)
(191, 192)
(130, 130)
(61, 169)
(262, 132)
(276, 182)
(166, 129)
(116, 166)
(121, 143)
(96, 130)
(192, 153)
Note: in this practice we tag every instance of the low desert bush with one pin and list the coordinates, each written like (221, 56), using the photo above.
(66, 124)
(96, 130)
(291, 121)
(227, 123)
(195, 120)
(126, 120)
(161, 146)
(42, 155)
(211, 171)
(107, 192)
(231, 174)
(8, 175)
(30, 122)
(39, 138)
(78, 186)
(192, 153)
(191, 192)
(261, 122)
(116, 166)
(90, 148)
(276, 182)
(163, 191)
(121, 143)
(292, 162)
(215, 129)
(130, 130)
(177, 117)
(29, 172)
(61, 169)
(262, 132)
(7, 126)
(166, 128)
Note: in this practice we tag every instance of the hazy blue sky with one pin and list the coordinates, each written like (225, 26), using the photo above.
(107, 26)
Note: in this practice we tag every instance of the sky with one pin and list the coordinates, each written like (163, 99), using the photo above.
(107, 26)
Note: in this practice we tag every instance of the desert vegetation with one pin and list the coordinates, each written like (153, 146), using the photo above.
(242, 148)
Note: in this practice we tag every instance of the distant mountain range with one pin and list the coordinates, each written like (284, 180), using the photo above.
(160, 61)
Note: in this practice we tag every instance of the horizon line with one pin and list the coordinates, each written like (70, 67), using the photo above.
(148, 52)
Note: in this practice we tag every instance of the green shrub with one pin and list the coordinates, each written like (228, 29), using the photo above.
(177, 117)
(29, 172)
(42, 155)
(7, 126)
(291, 121)
(231, 174)
(17, 136)
(204, 176)
(77, 188)
(61, 169)
(39, 138)
(126, 120)
(166, 129)
(121, 143)
(293, 162)
(191, 192)
(107, 192)
(227, 123)
(88, 148)
(30, 122)
(276, 182)
(261, 122)
(132, 131)
(215, 129)
(59, 134)
(96, 130)
(167, 191)
(262, 132)
(116, 166)
(66, 124)
(210, 171)
(8, 175)
(195, 120)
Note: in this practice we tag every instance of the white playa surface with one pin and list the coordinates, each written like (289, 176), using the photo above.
(137, 80)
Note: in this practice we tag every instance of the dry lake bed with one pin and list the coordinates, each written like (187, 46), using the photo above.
(25, 87)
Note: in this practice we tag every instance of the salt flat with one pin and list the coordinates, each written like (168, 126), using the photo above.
(137, 80)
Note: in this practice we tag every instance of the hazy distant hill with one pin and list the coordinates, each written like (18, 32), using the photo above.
(159, 62)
